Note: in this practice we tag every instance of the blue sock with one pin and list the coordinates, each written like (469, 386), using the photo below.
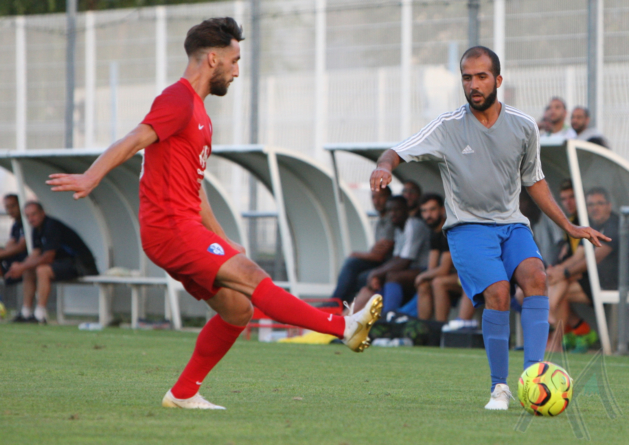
(410, 308)
(392, 295)
(534, 328)
(496, 337)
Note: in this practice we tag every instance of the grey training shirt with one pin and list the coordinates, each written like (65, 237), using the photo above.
(413, 243)
(482, 169)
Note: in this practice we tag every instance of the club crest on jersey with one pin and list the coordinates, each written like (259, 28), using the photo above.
(216, 249)
(205, 153)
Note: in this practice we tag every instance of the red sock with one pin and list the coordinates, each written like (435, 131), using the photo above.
(286, 308)
(215, 339)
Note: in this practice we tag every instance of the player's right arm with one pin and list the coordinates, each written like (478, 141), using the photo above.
(82, 184)
(382, 176)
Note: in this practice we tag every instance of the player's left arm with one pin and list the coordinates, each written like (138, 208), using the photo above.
(544, 199)
(211, 223)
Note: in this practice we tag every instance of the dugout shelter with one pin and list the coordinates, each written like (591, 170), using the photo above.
(308, 215)
(588, 165)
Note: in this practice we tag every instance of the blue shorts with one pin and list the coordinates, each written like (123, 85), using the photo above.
(484, 254)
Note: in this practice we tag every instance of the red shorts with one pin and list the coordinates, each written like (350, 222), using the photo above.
(190, 254)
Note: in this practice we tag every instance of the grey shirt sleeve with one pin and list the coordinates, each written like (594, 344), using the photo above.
(531, 168)
(425, 145)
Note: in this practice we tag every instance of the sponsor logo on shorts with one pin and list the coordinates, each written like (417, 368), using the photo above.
(216, 249)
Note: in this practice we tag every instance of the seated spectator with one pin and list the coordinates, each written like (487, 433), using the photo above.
(569, 281)
(436, 284)
(353, 274)
(557, 113)
(412, 192)
(547, 235)
(15, 250)
(410, 254)
(58, 254)
(580, 122)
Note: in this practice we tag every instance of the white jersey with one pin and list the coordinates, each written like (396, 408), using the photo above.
(482, 169)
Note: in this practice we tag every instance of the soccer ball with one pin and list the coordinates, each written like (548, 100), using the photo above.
(545, 389)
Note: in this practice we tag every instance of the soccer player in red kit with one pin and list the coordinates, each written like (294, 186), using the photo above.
(178, 228)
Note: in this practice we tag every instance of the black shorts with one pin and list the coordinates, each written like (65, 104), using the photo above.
(64, 269)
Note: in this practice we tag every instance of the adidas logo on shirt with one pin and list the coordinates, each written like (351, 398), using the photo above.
(467, 150)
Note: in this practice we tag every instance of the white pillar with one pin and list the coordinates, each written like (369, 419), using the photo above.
(600, 53)
(570, 95)
(406, 68)
(90, 78)
(382, 100)
(269, 137)
(236, 89)
(20, 83)
(499, 38)
(321, 87)
(161, 39)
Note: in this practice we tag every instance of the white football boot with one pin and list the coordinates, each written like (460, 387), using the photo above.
(500, 398)
(195, 402)
(357, 325)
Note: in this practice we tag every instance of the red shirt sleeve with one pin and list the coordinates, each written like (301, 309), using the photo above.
(171, 112)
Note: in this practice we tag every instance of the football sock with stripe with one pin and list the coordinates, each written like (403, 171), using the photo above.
(286, 308)
(392, 296)
(215, 339)
(496, 337)
(534, 328)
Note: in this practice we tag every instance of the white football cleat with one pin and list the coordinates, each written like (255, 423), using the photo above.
(357, 325)
(500, 398)
(195, 402)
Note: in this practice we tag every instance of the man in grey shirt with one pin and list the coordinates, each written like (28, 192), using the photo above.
(353, 274)
(486, 151)
(410, 254)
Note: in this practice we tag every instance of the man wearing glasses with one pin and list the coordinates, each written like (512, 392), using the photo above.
(569, 281)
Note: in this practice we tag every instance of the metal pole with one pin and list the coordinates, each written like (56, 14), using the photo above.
(406, 68)
(473, 7)
(254, 118)
(70, 66)
(594, 58)
(113, 89)
(623, 280)
(499, 38)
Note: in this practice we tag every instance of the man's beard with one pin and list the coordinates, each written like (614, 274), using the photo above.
(218, 84)
(435, 223)
(489, 100)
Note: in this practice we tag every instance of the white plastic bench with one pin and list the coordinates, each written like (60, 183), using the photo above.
(105, 285)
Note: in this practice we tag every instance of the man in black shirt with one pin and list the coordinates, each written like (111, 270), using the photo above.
(58, 254)
(435, 285)
(15, 250)
(569, 282)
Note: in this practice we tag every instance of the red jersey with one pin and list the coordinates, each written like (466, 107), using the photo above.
(174, 166)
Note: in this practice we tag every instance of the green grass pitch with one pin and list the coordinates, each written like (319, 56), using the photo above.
(59, 385)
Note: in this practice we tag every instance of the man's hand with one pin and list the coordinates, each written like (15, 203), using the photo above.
(15, 271)
(555, 274)
(380, 178)
(419, 279)
(587, 233)
(81, 184)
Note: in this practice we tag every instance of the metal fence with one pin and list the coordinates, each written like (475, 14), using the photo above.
(331, 71)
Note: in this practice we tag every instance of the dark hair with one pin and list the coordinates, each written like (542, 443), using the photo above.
(34, 203)
(399, 199)
(431, 197)
(598, 191)
(415, 185)
(563, 102)
(585, 110)
(566, 184)
(387, 190)
(217, 32)
(477, 51)
(11, 196)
